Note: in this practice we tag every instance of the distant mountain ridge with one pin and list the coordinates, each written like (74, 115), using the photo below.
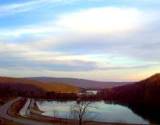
(82, 83)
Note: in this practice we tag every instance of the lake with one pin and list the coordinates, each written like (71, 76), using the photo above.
(97, 111)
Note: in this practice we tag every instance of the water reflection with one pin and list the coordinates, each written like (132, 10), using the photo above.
(103, 112)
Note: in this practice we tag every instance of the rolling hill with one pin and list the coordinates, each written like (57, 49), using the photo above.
(145, 92)
(142, 97)
(81, 83)
(21, 86)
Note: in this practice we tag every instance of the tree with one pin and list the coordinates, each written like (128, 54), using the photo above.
(79, 110)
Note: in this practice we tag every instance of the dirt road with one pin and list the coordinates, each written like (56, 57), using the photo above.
(24, 121)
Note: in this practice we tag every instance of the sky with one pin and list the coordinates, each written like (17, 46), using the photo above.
(106, 40)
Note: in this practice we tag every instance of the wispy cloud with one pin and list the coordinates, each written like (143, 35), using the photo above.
(20, 56)
(18, 7)
(115, 34)
(103, 20)
(13, 55)
(13, 8)
(88, 42)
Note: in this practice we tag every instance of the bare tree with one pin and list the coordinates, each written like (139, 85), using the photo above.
(79, 111)
(55, 113)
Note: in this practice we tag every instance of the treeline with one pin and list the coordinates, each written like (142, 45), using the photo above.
(31, 91)
(132, 94)
(71, 97)
(60, 96)
(143, 93)
(22, 90)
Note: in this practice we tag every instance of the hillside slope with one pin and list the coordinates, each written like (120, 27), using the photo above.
(145, 92)
(20, 86)
(57, 87)
(82, 83)
(152, 90)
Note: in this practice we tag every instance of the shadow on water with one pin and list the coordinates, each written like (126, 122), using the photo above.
(150, 113)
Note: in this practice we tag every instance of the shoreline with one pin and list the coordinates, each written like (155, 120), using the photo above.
(36, 116)
(37, 113)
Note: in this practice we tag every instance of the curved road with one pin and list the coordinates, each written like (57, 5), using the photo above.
(24, 121)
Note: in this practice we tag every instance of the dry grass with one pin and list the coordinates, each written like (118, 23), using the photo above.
(46, 86)
(58, 87)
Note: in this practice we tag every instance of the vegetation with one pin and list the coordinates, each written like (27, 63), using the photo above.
(80, 83)
(142, 97)
(30, 88)
(145, 92)
(58, 87)
(79, 111)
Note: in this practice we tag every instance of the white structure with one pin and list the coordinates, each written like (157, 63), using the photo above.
(91, 92)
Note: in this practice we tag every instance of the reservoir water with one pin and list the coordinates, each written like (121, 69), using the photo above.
(96, 111)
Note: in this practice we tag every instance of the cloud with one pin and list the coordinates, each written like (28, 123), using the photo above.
(82, 24)
(20, 56)
(18, 7)
(14, 8)
(104, 39)
(15, 55)
(142, 45)
(104, 20)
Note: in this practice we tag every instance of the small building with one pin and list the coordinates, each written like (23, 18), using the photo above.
(87, 92)
(91, 92)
